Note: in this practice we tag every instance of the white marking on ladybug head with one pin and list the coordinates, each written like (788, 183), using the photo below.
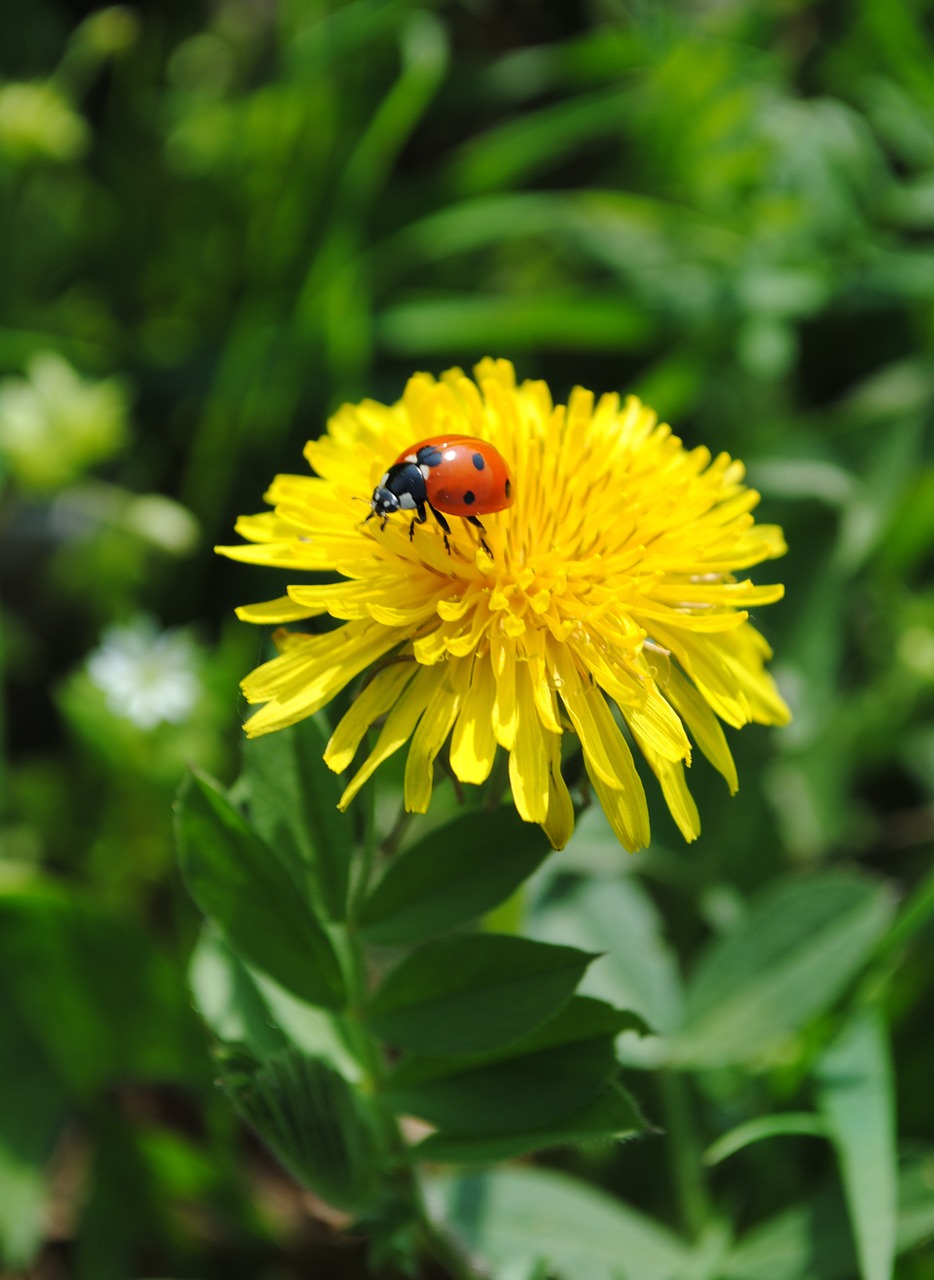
(407, 502)
(384, 501)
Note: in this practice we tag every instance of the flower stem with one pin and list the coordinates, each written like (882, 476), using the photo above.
(396, 835)
(401, 1171)
(684, 1154)
(442, 1250)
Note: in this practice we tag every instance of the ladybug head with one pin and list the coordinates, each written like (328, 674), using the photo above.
(384, 502)
(402, 488)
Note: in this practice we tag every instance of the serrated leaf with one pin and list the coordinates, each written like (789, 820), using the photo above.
(467, 995)
(316, 1123)
(530, 1092)
(239, 883)
(292, 797)
(509, 1217)
(453, 875)
(856, 1096)
(788, 960)
(610, 1116)
(580, 1020)
(529, 1084)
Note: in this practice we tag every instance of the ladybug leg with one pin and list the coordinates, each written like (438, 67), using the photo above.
(475, 521)
(419, 518)
(445, 527)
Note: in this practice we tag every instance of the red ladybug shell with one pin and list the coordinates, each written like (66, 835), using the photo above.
(469, 479)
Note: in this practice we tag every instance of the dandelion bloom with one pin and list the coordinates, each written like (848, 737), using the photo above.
(607, 607)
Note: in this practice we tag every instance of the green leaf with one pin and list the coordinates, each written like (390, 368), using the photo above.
(292, 801)
(510, 1217)
(506, 154)
(576, 320)
(86, 1002)
(788, 1123)
(239, 883)
(813, 1238)
(857, 1098)
(317, 1032)
(228, 998)
(475, 993)
(452, 876)
(788, 960)
(611, 1115)
(108, 1243)
(97, 996)
(915, 1202)
(33, 1107)
(244, 1007)
(531, 1085)
(316, 1123)
(637, 969)
(580, 1020)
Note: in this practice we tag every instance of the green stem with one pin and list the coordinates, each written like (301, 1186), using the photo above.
(434, 1243)
(443, 1251)
(684, 1154)
(395, 837)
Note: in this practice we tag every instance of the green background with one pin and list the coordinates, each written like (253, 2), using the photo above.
(219, 222)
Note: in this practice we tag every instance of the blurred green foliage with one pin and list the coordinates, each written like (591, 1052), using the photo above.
(216, 223)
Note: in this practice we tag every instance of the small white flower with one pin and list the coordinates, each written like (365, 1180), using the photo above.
(146, 675)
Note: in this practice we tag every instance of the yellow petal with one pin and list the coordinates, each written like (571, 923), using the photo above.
(657, 726)
(528, 760)
(703, 724)
(678, 798)
(473, 744)
(399, 726)
(605, 749)
(373, 701)
(274, 611)
(743, 594)
(626, 811)
(710, 622)
(703, 662)
(559, 820)
(670, 774)
(301, 681)
(432, 733)
(504, 704)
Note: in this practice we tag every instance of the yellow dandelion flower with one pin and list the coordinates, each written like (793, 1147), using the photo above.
(603, 602)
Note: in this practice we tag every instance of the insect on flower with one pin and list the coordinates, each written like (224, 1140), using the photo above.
(450, 475)
(607, 612)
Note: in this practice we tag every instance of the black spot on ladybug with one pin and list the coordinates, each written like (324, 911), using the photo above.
(470, 498)
(508, 488)
(429, 456)
(478, 461)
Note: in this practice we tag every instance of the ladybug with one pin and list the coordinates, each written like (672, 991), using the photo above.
(447, 475)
